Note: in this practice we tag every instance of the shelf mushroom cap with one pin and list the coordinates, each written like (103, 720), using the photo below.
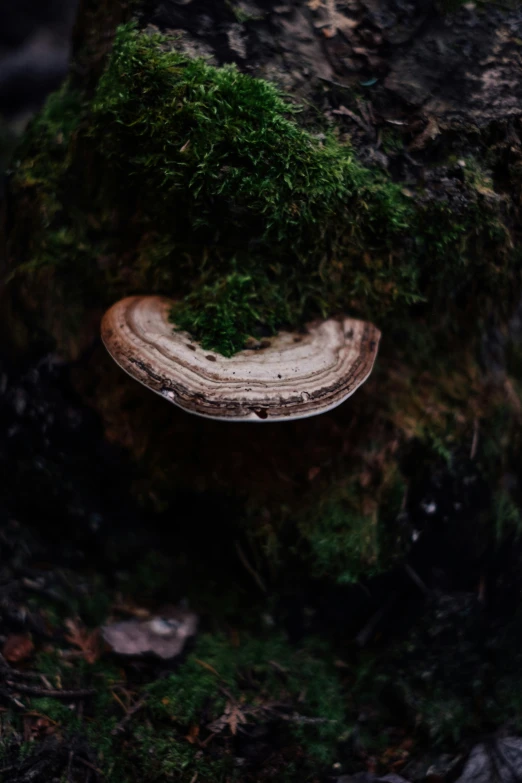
(289, 376)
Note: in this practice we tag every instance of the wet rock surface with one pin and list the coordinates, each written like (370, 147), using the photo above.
(411, 83)
(458, 66)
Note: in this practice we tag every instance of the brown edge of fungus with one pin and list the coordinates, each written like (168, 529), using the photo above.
(211, 397)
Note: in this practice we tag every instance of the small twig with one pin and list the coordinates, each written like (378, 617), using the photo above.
(53, 693)
(126, 718)
(23, 675)
(296, 718)
(47, 592)
(11, 768)
(227, 693)
(474, 442)
(122, 705)
(15, 701)
(513, 398)
(366, 114)
(249, 568)
(90, 766)
(367, 632)
(342, 110)
(208, 739)
(416, 578)
(279, 668)
(482, 588)
(365, 590)
(411, 160)
(404, 500)
(35, 714)
(339, 85)
(69, 766)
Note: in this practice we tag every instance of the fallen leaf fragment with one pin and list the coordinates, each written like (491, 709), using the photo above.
(233, 717)
(37, 726)
(18, 647)
(88, 642)
(193, 734)
(207, 666)
(162, 635)
(430, 132)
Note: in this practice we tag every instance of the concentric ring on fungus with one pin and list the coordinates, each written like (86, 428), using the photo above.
(289, 376)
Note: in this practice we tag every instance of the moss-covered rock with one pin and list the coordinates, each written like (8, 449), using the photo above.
(198, 182)
(174, 176)
(171, 175)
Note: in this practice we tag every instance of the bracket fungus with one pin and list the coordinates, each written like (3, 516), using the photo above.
(289, 376)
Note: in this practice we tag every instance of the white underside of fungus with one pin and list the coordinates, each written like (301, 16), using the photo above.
(289, 376)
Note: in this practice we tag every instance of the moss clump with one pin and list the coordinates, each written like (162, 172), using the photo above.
(345, 531)
(257, 673)
(268, 199)
(451, 678)
(227, 312)
(198, 182)
(223, 140)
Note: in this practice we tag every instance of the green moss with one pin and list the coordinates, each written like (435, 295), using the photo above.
(346, 531)
(507, 517)
(199, 182)
(439, 678)
(225, 314)
(268, 680)
(243, 14)
(224, 140)
(392, 140)
(258, 673)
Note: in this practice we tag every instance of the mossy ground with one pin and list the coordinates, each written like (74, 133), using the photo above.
(424, 686)
(286, 697)
(258, 675)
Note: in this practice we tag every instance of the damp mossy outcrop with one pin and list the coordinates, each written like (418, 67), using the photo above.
(176, 177)
(200, 183)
